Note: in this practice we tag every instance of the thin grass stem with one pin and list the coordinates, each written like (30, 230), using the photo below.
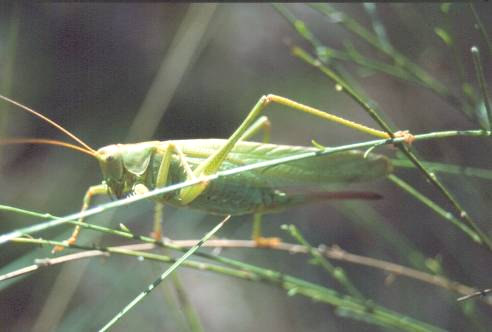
(336, 272)
(373, 112)
(481, 27)
(482, 83)
(159, 191)
(163, 276)
(354, 308)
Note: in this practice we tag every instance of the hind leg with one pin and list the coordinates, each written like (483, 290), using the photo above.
(212, 164)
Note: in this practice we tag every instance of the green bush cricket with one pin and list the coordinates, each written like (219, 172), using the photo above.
(137, 168)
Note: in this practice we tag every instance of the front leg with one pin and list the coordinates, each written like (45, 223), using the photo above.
(100, 189)
(161, 181)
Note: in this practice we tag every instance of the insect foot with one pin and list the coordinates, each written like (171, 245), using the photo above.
(267, 242)
(69, 242)
(406, 135)
(157, 235)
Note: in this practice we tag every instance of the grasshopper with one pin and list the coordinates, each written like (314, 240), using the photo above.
(129, 169)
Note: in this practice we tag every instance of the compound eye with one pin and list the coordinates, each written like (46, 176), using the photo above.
(111, 165)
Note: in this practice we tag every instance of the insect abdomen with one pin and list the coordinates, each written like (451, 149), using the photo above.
(236, 197)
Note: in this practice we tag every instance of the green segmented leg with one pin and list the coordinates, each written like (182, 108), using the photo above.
(263, 123)
(157, 230)
(161, 181)
(167, 154)
(260, 240)
(101, 189)
(263, 242)
(212, 164)
(260, 124)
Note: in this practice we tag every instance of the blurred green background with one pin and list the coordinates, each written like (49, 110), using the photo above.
(120, 73)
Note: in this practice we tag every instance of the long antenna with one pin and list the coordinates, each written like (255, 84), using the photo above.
(53, 123)
(23, 140)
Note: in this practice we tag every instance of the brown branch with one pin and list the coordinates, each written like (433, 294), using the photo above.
(333, 252)
(40, 263)
(482, 293)
(337, 253)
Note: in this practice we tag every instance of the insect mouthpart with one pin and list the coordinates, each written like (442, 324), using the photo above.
(111, 163)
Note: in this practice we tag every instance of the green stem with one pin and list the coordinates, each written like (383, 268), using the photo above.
(462, 213)
(482, 83)
(325, 53)
(368, 219)
(373, 112)
(433, 206)
(336, 272)
(395, 238)
(189, 311)
(369, 312)
(446, 168)
(399, 59)
(163, 276)
(297, 51)
(481, 27)
(159, 191)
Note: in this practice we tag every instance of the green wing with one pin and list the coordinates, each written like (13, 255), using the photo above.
(341, 167)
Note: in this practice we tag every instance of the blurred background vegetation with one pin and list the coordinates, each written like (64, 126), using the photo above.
(120, 73)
